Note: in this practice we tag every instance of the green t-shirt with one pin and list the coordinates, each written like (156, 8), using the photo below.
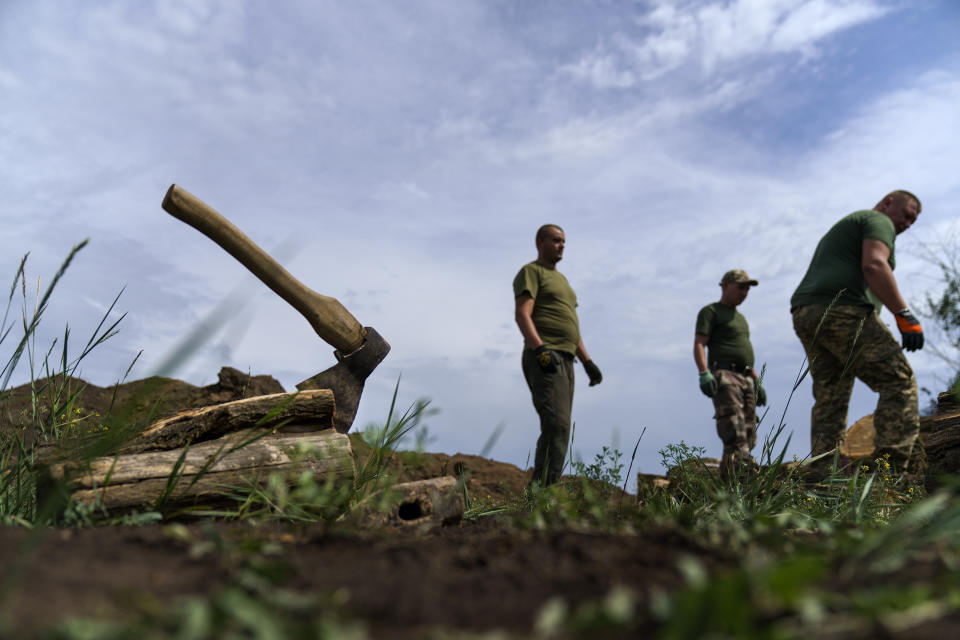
(836, 263)
(729, 335)
(554, 306)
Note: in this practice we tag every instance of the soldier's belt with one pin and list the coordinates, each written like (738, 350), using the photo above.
(732, 366)
(562, 354)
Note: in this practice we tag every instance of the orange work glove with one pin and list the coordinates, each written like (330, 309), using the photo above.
(910, 330)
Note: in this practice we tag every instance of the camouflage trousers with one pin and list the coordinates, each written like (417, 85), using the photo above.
(735, 409)
(849, 343)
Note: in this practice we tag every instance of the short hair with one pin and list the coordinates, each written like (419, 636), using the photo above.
(902, 195)
(542, 231)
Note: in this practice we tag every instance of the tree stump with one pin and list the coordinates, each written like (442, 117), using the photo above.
(858, 442)
(943, 444)
(648, 484)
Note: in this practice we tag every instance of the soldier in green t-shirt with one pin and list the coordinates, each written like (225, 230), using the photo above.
(724, 358)
(835, 314)
(546, 312)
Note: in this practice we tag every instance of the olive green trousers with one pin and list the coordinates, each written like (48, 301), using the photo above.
(553, 399)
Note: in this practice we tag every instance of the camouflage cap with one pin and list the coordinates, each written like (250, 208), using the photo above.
(739, 276)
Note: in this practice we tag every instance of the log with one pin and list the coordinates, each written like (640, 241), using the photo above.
(314, 407)
(207, 470)
(943, 444)
(858, 442)
(421, 505)
(650, 483)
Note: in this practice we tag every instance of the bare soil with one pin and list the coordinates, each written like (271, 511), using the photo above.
(479, 576)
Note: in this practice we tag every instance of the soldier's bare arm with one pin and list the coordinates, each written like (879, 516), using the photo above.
(700, 350)
(582, 352)
(879, 275)
(524, 317)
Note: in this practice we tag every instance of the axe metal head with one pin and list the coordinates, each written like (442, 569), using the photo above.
(346, 378)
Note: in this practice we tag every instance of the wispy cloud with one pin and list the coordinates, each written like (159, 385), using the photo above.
(714, 37)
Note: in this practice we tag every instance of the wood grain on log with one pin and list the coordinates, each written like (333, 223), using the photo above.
(943, 445)
(315, 407)
(859, 440)
(139, 479)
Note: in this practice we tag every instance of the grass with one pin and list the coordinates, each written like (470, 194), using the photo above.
(54, 413)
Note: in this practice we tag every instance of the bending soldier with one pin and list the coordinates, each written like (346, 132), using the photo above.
(836, 316)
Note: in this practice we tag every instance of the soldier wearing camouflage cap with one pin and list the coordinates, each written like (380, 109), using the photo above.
(724, 357)
(836, 316)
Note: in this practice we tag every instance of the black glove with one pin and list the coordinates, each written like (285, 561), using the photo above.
(593, 371)
(910, 330)
(546, 359)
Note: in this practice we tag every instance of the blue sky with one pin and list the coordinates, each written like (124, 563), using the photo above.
(400, 156)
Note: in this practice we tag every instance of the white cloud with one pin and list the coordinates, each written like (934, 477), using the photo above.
(601, 69)
(800, 29)
(716, 34)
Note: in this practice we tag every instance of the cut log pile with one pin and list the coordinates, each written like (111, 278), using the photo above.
(195, 456)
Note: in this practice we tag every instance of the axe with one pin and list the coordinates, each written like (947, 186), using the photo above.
(358, 349)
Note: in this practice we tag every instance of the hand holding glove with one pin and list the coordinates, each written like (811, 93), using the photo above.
(760, 393)
(546, 359)
(708, 384)
(910, 330)
(593, 371)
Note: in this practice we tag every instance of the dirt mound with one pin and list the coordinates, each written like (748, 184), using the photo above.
(487, 480)
(139, 401)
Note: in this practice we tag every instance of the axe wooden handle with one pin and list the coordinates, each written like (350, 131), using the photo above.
(326, 315)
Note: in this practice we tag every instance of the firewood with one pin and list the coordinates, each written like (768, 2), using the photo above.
(206, 470)
(314, 407)
(943, 444)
